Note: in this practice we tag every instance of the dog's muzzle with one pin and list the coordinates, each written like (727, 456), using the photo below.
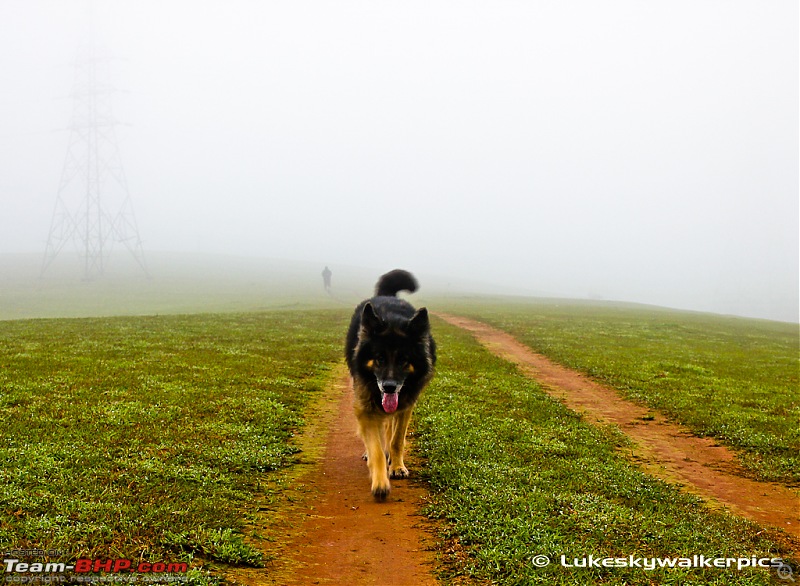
(389, 391)
(389, 386)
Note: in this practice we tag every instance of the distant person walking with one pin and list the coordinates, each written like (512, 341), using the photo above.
(326, 279)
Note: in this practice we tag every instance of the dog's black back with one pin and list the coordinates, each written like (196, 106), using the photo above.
(389, 342)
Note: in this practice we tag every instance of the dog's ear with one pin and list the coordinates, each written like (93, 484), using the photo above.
(419, 324)
(370, 322)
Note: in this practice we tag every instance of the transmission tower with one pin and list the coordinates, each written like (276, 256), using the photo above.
(93, 205)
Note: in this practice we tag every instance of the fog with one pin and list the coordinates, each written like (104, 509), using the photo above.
(624, 150)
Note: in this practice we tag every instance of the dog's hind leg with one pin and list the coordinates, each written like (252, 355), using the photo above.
(370, 431)
(397, 444)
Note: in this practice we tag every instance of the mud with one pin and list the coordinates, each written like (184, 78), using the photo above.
(332, 529)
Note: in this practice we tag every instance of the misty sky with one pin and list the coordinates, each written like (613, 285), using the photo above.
(642, 150)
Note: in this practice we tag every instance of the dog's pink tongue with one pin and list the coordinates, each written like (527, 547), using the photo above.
(389, 402)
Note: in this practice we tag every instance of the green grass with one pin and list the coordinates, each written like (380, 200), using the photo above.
(515, 474)
(129, 437)
(150, 437)
(733, 379)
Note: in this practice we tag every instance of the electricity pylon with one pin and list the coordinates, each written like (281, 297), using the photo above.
(93, 205)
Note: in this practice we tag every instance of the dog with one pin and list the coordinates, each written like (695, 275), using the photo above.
(391, 356)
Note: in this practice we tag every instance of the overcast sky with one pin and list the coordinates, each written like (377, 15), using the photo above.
(642, 150)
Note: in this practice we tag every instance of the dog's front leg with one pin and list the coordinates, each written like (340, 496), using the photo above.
(397, 444)
(371, 429)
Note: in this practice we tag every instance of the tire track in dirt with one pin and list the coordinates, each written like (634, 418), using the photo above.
(333, 530)
(663, 448)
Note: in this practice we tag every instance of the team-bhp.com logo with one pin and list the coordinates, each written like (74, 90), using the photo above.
(16, 570)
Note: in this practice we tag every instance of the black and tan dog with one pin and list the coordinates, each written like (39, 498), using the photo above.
(391, 356)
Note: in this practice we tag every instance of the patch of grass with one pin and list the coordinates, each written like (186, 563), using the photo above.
(515, 474)
(143, 437)
(733, 379)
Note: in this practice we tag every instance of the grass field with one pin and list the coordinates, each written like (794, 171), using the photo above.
(515, 474)
(145, 437)
(729, 378)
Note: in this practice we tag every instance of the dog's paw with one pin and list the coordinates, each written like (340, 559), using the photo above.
(381, 492)
(399, 472)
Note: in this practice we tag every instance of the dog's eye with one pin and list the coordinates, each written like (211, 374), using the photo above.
(408, 367)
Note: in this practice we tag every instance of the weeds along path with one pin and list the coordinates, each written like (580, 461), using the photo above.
(664, 449)
(330, 529)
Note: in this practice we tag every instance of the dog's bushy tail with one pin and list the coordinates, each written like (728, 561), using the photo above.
(394, 281)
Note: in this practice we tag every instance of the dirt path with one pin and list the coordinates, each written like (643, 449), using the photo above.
(665, 449)
(333, 530)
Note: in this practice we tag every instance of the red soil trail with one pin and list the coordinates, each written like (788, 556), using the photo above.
(338, 534)
(665, 449)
